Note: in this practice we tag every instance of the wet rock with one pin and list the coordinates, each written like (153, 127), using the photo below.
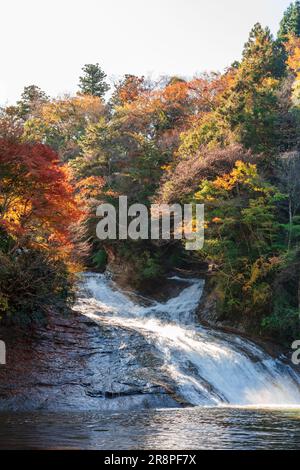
(76, 364)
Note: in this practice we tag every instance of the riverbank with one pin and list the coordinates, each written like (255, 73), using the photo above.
(210, 316)
(75, 364)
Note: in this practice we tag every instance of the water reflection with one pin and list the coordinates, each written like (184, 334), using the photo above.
(192, 428)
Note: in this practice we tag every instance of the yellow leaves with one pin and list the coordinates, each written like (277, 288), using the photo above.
(270, 83)
(242, 173)
(260, 269)
(16, 210)
(166, 167)
(200, 196)
(293, 49)
(293, 62)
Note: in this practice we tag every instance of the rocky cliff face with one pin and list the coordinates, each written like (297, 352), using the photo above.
(75, 364)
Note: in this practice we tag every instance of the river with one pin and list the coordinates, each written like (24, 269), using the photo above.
(206, 367)
(189, 428)
(186, 386)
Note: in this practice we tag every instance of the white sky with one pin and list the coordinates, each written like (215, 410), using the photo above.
(46, 42)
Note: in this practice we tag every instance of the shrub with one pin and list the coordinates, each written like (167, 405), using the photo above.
(30, 285)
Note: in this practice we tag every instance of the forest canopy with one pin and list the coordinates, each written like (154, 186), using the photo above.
(229, 140)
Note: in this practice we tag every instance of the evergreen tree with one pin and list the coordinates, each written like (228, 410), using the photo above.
(260, 53)
(290, 22)
(32, 96)
(93, 81)
(251, 105)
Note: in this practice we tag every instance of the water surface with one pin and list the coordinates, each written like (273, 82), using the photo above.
(189, 428)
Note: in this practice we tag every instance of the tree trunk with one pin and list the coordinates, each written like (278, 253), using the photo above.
(290, 224)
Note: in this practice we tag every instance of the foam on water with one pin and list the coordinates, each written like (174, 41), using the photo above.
(208, 367)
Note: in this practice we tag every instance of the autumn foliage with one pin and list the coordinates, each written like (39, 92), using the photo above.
(36, 197)
(38, 209)
(230, 140)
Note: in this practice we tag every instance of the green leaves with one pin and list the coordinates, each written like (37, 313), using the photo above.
(93, 81)
(290, 23)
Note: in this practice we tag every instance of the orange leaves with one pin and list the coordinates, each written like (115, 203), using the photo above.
(293, 62)
(90, 187)
(217, 220)
(293, 49)
(224, 182)
(128, 89)
(167, 111)
(77, 108)
(208, 90)
(175, 93)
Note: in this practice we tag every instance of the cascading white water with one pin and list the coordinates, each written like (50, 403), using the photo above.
(208, 367)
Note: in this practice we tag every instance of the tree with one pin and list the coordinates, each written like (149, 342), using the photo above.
(290, 23)
(38, 210)
(288, 174)
(127, 90)
(204, 125)
(62, 123)
(95, 151)
(37, 203)
(31, 97)
(250, 106)
(182, 179)
(292, 46)
(241, 237)
(93, 81)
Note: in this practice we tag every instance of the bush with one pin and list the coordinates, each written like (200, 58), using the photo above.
(100, 259)
(283, 324)
(30, 284)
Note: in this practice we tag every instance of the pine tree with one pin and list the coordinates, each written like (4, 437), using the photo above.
(93, 81)
(290, 22)
(251, 106)
(259, 52)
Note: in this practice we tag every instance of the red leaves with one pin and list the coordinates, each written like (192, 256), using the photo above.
(37, 204)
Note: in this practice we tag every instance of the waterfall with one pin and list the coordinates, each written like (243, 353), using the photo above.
(207, 367)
